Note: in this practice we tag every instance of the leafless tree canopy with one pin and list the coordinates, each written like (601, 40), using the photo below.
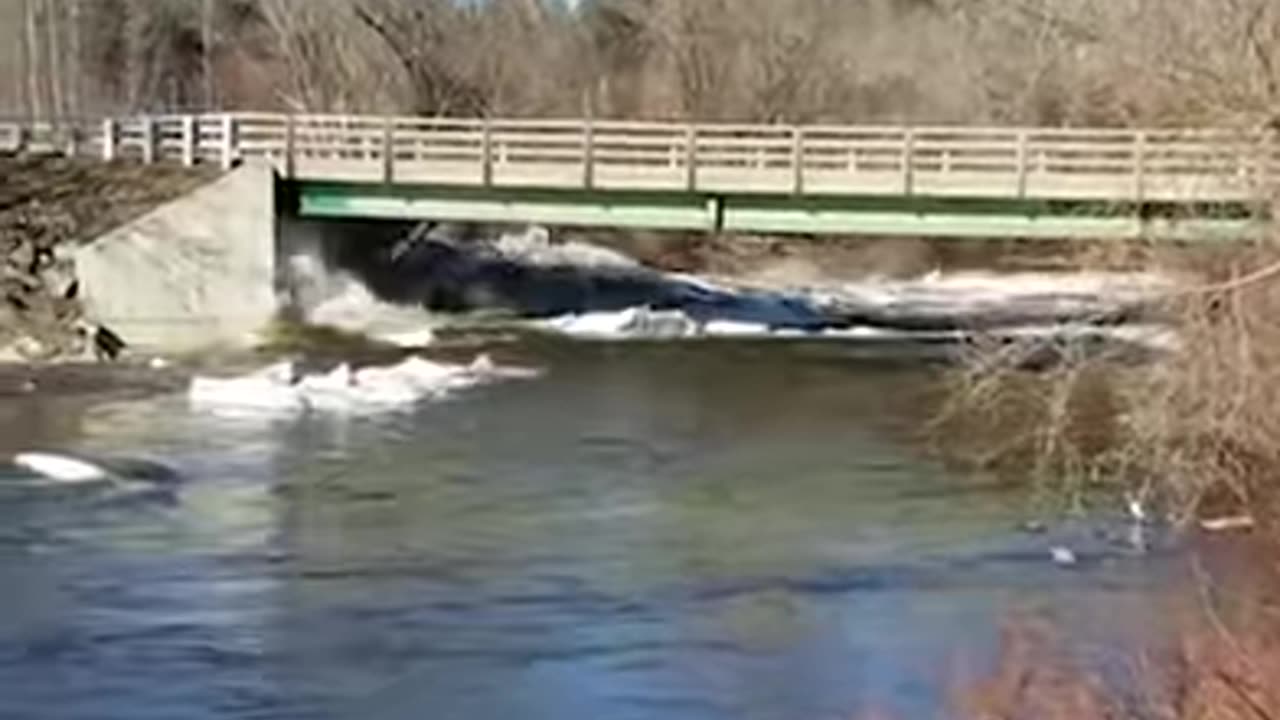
(1056, 62)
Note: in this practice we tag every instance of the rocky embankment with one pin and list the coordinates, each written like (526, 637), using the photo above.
(48, 206)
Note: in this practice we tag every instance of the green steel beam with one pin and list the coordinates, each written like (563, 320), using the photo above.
(878, 216)
(659, 211)
(945, 218)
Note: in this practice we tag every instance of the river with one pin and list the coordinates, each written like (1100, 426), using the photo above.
(704, 531)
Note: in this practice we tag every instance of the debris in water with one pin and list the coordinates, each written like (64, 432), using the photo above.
(1135, 507)
(1034, 527)
(62, 468)
(1063, 556)
(1228, 524)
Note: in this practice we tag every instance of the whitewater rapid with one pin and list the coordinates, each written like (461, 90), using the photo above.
(284, 389)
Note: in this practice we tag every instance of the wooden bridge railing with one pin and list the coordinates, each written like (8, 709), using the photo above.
(1189, 165)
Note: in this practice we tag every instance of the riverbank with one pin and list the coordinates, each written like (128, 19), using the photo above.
(1192, 439)
(48, 207)
(782, 259)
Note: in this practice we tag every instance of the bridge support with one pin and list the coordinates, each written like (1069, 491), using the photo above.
(197, 271)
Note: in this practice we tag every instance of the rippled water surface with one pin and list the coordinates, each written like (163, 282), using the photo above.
(706, 532)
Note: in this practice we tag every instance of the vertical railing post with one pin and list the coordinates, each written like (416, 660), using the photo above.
(1245, 161)
(486, 152)
(588, 151)
(1139, 167)
(72, 147)
(908, 161)
(108, 139)
(1022, 163)
(188, 140)
(290, 146)
(228, 141)
(1267, 158)
(797, 160)
(148, 140)
(388, 150)
(691, 157)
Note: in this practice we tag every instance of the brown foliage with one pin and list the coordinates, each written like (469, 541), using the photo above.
(926, 61)
(1222, 666)
(1198, 427)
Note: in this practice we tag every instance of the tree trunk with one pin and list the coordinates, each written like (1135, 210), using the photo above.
(135, 54)
(56, 80)
(30, 9)
(75, 62)
(14, 33)
(206, 54)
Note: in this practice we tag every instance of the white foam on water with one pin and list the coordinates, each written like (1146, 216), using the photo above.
(605, 324)
(534, 246)
(282, 390)
(644, 323)
(349, 306)
(61, 468)
(731, 328)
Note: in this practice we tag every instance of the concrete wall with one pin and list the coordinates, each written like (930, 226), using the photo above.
(196, 272)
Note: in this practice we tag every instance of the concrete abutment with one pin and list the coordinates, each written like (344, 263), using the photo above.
(196, 272)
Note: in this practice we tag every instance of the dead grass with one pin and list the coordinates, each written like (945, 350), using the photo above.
(1224, 665)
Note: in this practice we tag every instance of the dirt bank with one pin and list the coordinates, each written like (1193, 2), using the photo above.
(48, 206)
(804, 260)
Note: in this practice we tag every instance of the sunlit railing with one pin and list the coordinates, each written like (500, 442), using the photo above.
(1187, 165)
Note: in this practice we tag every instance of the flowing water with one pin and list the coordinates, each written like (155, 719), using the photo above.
(709, 531)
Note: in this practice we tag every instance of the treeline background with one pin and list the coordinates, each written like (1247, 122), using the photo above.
(1053, 62)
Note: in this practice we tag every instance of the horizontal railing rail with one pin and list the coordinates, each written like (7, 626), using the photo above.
(1139, 165)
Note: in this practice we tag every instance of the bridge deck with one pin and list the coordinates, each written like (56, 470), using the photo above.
(937, 181)
(1176, 166)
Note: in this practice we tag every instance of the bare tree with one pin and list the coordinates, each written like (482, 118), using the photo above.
(55, 79)
(34, 67)
(1015, 61)
(419, 34)
(75, 70)
(135, 53)
(206, 53)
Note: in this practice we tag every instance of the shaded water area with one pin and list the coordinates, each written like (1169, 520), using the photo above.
(707, 531)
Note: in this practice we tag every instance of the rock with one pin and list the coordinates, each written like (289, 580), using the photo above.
(59, 280)
(107, 345)
(1033, 527)
(22, 257)
(29, 348)
(47, 207)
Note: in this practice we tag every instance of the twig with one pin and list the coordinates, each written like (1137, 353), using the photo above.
(1233, 685)
(1256, 276)
(1216, 621)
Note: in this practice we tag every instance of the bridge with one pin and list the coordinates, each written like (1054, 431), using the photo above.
(980, 182)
